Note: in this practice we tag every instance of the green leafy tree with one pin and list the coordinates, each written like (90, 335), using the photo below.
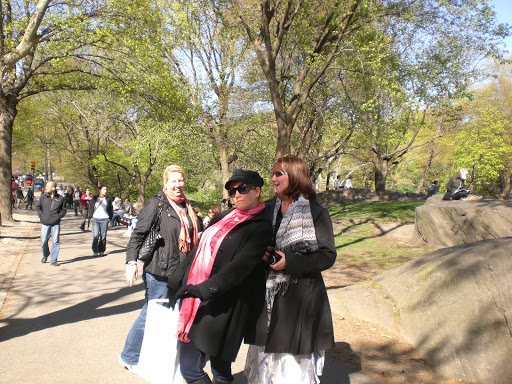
(295, 42)
(208, 51)
(485, 148)
(51, 46)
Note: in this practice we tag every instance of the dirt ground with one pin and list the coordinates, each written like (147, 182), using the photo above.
(368, 347)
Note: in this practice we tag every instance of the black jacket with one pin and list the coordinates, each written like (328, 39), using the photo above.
(301, 321)
(92, 203)
(238, 270)
(49, 210)
(167, 256)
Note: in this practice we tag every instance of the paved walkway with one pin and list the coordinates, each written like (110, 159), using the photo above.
(68, 324)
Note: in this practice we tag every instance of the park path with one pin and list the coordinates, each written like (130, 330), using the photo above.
(68, 324)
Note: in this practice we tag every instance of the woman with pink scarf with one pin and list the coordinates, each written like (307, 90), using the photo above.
(219, 283)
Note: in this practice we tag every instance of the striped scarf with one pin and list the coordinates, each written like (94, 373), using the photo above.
(186, 243)
(296, 234)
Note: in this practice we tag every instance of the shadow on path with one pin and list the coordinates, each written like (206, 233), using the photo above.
(90, 309)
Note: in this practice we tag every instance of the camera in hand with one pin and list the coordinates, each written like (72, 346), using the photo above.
(273, 257)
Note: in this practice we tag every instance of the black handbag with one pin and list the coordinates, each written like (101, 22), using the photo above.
(151, 241)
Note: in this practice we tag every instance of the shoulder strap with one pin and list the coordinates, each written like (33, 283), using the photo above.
(159, 217)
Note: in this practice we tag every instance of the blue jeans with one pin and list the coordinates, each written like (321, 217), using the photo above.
(156, 288)
(54, 230)
(115, 216)
(99, 235)
(192, 362)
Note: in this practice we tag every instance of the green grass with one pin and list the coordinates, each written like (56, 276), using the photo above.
(358, 230)
(377, 211)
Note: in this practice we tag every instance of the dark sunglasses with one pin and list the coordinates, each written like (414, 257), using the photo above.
(242, 189)
(279, 173)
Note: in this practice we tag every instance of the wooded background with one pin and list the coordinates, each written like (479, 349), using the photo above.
(393, 93)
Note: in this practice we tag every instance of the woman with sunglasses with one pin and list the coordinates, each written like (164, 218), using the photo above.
(294, 328)
(218, 282)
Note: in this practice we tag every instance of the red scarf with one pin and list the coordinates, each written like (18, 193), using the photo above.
(203, 263)
(186, 244)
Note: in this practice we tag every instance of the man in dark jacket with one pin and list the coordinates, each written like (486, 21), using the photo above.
(50, 209)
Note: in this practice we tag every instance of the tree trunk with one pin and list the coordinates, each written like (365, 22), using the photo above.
(7, 114)
(283, 147)
(381, 174)
(49, 163)
(224, 169)
(425, 171)
(141, 190)
(508, 185)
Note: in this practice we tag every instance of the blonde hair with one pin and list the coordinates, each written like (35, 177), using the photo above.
(170, 169)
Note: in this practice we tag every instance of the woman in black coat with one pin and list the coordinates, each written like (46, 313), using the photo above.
(179, 229)
(294, 327)
(220, 279)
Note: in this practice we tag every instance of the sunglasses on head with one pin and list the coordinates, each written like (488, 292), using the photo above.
(242, 189)
(279, 173)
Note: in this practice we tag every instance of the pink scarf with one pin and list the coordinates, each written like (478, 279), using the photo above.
(203, 263)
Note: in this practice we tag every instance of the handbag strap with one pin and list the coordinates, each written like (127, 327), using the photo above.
(159, 218)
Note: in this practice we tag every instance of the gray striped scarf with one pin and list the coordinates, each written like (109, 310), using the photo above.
(296, 234)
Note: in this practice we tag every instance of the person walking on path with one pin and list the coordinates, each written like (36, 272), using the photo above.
(100, 213)
(76, 200)
(50, 209)
(179, 228)
(19, 197)
(29, 198)
(84, 199)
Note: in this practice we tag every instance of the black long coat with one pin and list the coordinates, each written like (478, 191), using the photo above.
(221, 321)
(301, 321)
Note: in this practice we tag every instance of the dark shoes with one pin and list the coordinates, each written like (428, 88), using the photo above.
(53, 263)
(215, 381)
(204, 380)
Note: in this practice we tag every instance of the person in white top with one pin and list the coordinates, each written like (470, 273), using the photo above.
(348, 182)
(101, 212)
(337, 182)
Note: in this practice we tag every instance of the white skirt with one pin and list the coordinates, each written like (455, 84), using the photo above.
(282, 368)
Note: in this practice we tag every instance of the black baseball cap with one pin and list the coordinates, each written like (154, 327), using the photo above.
(245, 176)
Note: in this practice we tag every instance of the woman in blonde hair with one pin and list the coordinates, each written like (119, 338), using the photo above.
(179, 229)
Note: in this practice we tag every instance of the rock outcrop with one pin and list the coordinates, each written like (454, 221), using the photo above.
(454, 305)
(448, 223)
(344, 196)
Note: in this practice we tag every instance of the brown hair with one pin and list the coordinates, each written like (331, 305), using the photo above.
(299, 177)
(215, 209)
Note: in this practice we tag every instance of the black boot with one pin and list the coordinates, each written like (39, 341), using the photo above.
(215, 381)
(204, 380)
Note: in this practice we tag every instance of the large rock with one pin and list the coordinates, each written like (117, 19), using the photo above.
(334, 197)
(447, 223)
(454, 305)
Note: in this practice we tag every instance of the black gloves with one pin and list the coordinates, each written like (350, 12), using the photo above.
(200, 291)
(189, 291)
(171, 293)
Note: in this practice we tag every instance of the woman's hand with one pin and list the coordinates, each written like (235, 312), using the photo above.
(281, 264)
(267, 254)
(131, 273)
